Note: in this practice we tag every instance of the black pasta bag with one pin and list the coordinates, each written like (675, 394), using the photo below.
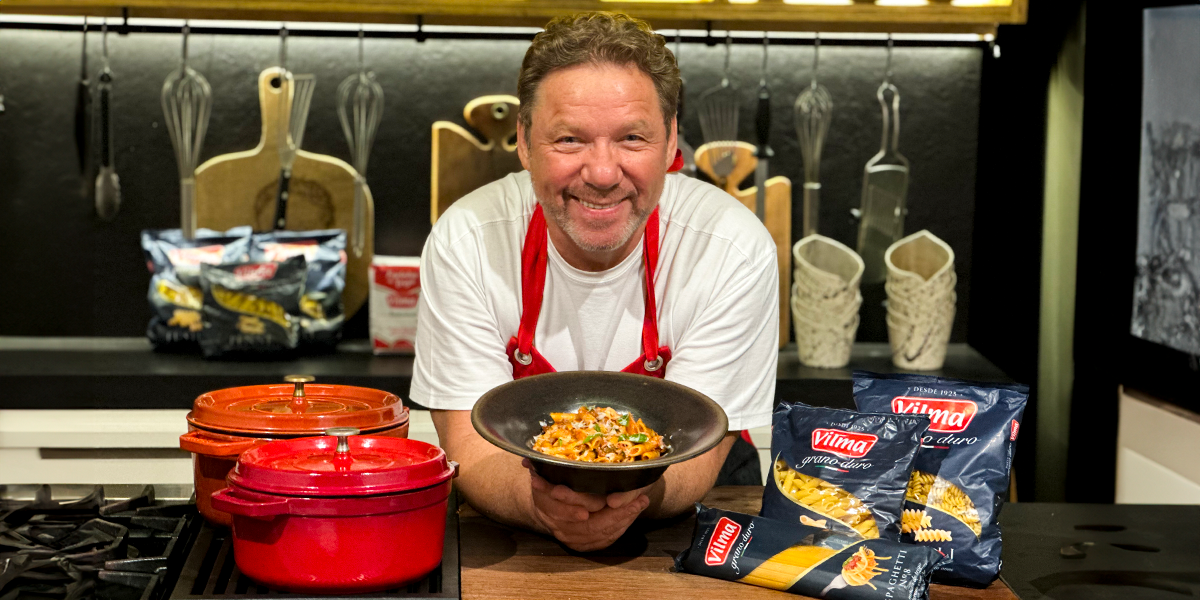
(774, 554)
(841, 469)
(961, 475)
(175, 296)
(250, 308)
(321, 310)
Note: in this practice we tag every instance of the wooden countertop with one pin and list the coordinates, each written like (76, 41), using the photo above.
(503, 562)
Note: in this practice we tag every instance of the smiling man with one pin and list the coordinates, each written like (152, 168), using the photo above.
(595, 258)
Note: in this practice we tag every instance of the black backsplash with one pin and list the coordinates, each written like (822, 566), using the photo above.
(68, 274)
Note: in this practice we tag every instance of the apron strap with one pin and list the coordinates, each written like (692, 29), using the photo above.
(533, 280)
(650, 320)
(533, 284)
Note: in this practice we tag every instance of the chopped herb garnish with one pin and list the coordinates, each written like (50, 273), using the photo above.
(639, 438)
(597, 428)
(590, 437)
(624, 420)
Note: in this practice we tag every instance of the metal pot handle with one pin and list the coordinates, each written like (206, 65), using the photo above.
(226, 500)
(198, 442)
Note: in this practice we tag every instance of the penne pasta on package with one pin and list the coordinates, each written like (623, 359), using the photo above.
(961, 475)
(805, 560)
(841, 469)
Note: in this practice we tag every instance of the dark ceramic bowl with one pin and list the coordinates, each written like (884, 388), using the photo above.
(510, 415)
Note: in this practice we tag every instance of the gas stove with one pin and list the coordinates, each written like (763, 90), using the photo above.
(126, 542)
(78, 542)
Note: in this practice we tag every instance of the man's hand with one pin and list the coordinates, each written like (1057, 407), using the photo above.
(584, 522)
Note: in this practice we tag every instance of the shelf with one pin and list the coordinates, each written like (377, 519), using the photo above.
(72, 373)
(935, 16)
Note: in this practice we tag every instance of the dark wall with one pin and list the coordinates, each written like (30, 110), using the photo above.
(1106, 354)
(77, 276)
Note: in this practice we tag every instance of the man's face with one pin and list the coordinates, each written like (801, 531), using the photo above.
(598, 152)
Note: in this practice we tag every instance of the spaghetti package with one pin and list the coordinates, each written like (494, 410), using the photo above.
(250, 308)
(805, 560)
(321, 312)
(962, 472)
(841, 469)
(174, 295)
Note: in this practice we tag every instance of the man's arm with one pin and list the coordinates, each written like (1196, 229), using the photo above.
(494, 482)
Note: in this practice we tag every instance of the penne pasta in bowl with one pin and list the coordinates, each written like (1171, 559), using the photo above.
(599, 432)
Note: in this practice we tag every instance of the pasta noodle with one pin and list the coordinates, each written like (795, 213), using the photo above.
(913, 519)
(783, 570)
(935, 492)
(933, 535)
(825, 499)
(600, 435)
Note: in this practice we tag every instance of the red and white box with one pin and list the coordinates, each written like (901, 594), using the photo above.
(395, 289)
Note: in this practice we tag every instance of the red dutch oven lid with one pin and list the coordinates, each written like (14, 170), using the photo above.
(345, 465)
(293, 408)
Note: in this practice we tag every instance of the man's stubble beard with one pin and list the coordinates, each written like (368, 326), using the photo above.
(558, 213)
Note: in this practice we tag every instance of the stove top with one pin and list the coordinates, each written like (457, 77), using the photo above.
(126, 542)
(84, 542)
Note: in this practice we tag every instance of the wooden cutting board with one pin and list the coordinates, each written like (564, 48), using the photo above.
(461, 163)
(240, 189)
(778, 217)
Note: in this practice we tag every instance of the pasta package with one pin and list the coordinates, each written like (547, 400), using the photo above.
(841, 469)
(251, 308)
(961, 474)
(804, 559)
(174, 295)
(321, 313)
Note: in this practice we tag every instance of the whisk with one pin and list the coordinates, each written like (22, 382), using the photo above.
(719, 118)
(360, 109)
(814, 110)
(298, 91)
(187, 105)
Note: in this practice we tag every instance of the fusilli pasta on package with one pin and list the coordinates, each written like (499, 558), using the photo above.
(961, 475)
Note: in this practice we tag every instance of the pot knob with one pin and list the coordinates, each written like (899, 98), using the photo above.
(343, 435)
(299, 402)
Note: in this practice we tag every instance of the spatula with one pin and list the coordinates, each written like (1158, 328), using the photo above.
(885, 186)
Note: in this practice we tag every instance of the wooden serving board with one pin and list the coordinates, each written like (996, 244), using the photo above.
(240, 189)
(778, 218)
(460, 163)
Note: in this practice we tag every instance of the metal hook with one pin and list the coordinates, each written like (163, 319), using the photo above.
(766, 43)
(283, 34)
(678, 41)
(186, 30)
(104, 41)
(887, 72)
(708, 36)
(420, 36)
(728, 50)
(816, 57)
(362, 66)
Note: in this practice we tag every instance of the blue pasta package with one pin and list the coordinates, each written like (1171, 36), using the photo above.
(805, 560)
(961, 475)
(841, 469)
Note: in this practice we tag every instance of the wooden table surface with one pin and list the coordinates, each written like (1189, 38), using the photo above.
(503, 562)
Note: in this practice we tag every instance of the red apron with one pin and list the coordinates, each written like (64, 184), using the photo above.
(525, 358)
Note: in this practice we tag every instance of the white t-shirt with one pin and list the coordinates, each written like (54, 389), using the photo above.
(716, 284)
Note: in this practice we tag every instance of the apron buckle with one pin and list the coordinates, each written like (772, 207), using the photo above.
(524, 359)
(654, 365)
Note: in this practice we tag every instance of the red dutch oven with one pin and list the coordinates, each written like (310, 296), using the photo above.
(225, 423)
(338, 514)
